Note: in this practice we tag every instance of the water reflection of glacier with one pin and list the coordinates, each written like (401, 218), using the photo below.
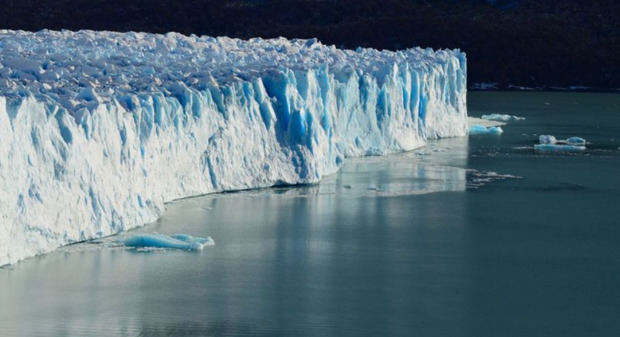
(291, 252)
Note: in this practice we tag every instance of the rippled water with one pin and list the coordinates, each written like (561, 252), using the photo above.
(465, 237)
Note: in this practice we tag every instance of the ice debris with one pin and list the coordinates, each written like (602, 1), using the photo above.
(550, 143)
(485, 130)
(546, 139)
(176, 241)
(576, 141)
(502, 117)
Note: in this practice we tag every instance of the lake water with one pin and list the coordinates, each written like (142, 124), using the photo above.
(465, 237)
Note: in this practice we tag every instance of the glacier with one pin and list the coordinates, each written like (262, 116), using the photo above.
(99, 129)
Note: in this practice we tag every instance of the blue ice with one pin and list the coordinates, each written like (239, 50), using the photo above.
(576, 141)
(176, 241)
(550, 143)
(559, 147)
(483, 130)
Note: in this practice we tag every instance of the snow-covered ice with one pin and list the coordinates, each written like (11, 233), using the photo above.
(485, 130)
(99, 129)
(502, 117)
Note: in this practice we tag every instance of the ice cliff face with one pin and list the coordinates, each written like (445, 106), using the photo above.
(99, 129)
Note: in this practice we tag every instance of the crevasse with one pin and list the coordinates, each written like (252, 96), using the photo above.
(99, 129)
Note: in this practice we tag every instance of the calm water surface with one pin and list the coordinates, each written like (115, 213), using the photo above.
(465, 237)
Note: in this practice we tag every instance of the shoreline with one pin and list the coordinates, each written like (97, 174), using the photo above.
(547, 89)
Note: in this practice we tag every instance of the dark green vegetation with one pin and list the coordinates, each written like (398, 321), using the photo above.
(537, 43)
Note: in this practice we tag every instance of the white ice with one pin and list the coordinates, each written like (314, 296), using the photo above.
(502, 117)
(547, 139)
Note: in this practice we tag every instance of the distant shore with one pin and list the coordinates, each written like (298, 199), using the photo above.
(486, 86)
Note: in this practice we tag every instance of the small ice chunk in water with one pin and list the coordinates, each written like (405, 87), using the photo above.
(501, 117)
(547, 139)
(483, 130)
(550, 143)
(177, 241)
(576, 141)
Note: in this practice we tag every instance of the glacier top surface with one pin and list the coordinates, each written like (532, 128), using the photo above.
(86, 68)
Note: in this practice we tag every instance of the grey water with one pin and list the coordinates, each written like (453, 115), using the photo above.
(478, 236)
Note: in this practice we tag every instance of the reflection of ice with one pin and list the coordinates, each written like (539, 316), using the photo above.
(396, 176)
(388, 178)
(559, 148)
(477, 179)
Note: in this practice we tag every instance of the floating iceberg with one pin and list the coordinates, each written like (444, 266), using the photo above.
(485, 130)
(550, 143)
(502, 117)
(177, 241)
(576, 141)
(99, 129)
